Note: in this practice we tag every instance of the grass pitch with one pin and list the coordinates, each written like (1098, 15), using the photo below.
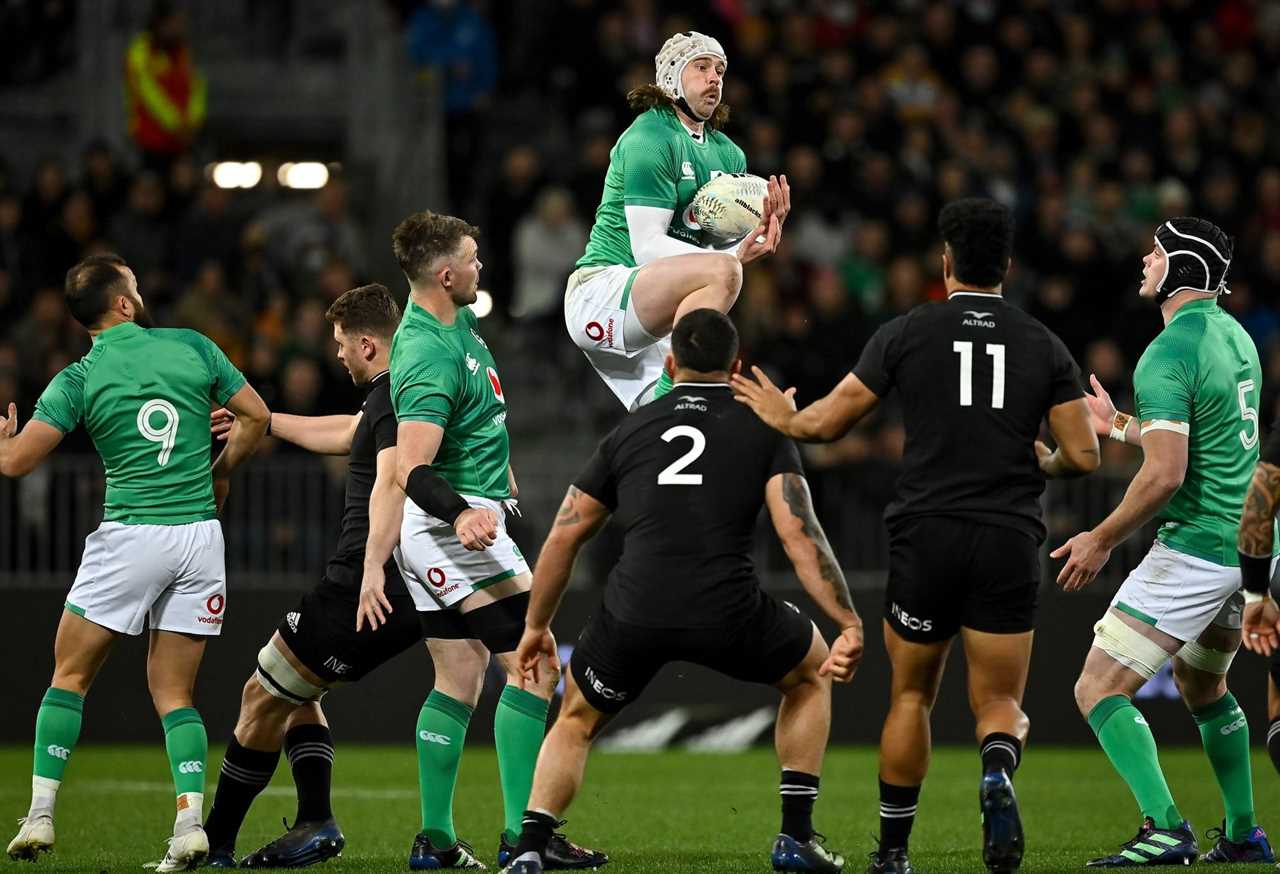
(674, 813)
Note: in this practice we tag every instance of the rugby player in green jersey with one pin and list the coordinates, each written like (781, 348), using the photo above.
(460, 565)
(646, 262)
(144, 396)
(1196, 388)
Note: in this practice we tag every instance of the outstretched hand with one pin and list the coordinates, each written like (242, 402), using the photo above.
(774, 406)
(1086, 554)
(1102, 410)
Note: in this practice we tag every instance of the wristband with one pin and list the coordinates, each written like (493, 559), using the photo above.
(1254, 598)
(432, 492)
(1255, 574)
(1119, 425)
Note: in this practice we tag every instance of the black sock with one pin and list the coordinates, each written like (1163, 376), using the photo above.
(897, 814)
(799, 791)
(310, 752)
(1273, 742)
(245, 773)
(1000, 751)
(536, 830)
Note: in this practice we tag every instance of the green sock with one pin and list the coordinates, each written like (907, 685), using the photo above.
(664, 385)
(1224, 731)
(442, 731)
(57, 730)
(1129, 744)
(518, 729)
(188, 747)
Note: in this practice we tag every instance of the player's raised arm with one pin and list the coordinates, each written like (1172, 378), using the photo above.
(1164, 464)
(22, 451)
(791, 509)
(324, 435)
(418, 443)
(1077, 453)
(826, 419)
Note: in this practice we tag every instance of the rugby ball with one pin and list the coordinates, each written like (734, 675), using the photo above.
(730, 206)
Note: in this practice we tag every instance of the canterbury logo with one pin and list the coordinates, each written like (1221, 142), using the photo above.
(1234, 727)
(432, 738)
(978, 315)
(1140, 720)
(58, 752)
(192, 767)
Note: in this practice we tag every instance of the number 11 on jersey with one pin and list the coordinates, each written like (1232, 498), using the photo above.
(996, 351)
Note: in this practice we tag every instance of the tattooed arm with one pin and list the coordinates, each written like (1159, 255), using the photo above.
(1260, 505)
(791, 508)
(579, 518)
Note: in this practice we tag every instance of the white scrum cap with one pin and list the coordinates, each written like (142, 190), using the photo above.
(675, 55)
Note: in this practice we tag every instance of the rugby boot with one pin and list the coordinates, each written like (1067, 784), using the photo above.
(220, 858)
(186, 851)
(892, 861)
(1153, 846)
(35, 836)
(561, 854)
(524, 866)
(1255, 848)
(425, 857)
(1002, 840)
(791, 855)
(306, 843)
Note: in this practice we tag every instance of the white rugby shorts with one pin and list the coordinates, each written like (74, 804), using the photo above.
(174, 576)
(603, 324)
(439, 571)
(1181, 594)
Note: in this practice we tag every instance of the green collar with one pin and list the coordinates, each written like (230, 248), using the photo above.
(1196, 306)
(122, 331)
(418, 312)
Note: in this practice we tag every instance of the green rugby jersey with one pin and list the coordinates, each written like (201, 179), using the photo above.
(656, 163)
(444, 374)
(1203, 369)
(143, 396)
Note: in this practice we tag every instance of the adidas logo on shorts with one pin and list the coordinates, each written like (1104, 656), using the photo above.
(293, 619)
(191, 767)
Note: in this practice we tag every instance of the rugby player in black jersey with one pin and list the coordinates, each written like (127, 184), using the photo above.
(686, 477)
(976, 377)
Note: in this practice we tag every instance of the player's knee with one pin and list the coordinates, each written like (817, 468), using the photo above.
(71, 679)
(727, 273)
(1087, 693)
(1198, 688)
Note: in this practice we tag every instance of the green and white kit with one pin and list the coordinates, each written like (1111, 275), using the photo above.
(143, 396)
(445, 374)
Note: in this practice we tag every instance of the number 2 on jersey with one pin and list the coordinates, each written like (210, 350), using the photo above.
(671, 475)
(166, 434)
(996, 351)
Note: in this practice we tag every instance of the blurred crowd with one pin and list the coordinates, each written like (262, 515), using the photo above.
(1091, 121)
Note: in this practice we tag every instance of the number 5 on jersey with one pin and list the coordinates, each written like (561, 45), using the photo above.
(166, 434)
(996, 351)
(671, 474)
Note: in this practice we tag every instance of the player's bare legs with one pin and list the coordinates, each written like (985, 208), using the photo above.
(264, 718)
(804, 717)
(905, 739)
(173, 659)
(79, 652)
(1200, 670)
(459, 667)
(667, 288)
(998, 665)
(563, 759)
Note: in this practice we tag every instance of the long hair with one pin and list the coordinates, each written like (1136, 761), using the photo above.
(648, 96)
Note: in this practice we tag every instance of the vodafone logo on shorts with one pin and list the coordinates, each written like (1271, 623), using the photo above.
(435, 576)
(214, 605)
(599, 333)
(595, 331)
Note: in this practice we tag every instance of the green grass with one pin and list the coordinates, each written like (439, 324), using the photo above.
(674, 813)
